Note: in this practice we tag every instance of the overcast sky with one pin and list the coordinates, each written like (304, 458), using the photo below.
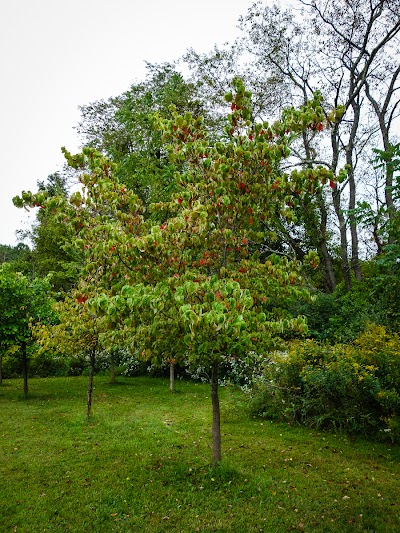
(56, 55)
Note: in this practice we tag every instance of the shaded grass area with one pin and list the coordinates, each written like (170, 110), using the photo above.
(142, 464)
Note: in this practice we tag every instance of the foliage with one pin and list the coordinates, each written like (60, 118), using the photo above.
(18, 256)
(53, 253)
(124, 128)
(355, 388)
(22, 304)
(79, 332)
(196, 281)
(342, 316)
(203, 263)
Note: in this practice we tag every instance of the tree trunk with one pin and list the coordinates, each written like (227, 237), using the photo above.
(1, 369)
(355, 262)
(329, 273)
(343, 238)
(391, 209)
(385, 124)
(216, 420)
(25, 368)
(336, 200)
(350, 156)
(317, 228)
(112, 367)
(171, 376)
(92, 356)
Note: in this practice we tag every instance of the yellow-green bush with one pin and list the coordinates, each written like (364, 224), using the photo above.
(354, 387)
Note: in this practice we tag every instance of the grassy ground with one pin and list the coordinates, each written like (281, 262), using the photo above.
(142, 464)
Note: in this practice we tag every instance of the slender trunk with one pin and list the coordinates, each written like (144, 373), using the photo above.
(92, 356)
(343, 238)
(377, 240)
(335, 143)
(25, 368)
(389, 175)
(1, 369)
(329, 273)
(315, 223)
(355, 261)
(171, 376)
(216, 420)
(391, 209)
(112, 368)
(385, 123)
(350, 161)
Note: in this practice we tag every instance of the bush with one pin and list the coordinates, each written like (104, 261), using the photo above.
(355, 388)
(45, 364)
(12, 363)
(343, 315)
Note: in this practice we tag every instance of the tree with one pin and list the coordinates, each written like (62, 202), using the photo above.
(346, 49)
(196, 281)
(79, 331)
(123, 128)
(52, 253)
(22, 304)
(14, 254)
(198, 276)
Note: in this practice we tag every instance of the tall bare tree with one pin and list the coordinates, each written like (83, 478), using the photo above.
(343, 49)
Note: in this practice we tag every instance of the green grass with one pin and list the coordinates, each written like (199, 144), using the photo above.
(142, 464)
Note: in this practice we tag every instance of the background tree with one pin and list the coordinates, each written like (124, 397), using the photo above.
(52, 250)
(19, 257)
(123, 128)
(22, 304)
(343, 50)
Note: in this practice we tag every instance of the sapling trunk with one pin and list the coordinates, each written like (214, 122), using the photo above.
(171, 376)
(216, 419)
(25, 368)
(1, 369)
(92, 357)
(112, 367)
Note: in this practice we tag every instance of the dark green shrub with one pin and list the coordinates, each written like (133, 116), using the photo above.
(342, 316)
(44, 364)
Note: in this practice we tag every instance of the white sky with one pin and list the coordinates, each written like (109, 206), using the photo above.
(56, 55)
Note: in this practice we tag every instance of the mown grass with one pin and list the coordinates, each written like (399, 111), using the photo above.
(142, 464)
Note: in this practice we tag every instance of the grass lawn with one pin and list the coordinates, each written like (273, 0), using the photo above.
(142, 464)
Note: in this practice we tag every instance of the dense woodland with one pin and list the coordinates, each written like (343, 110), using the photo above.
(233, 217)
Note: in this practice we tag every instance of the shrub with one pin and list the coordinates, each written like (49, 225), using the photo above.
(355, 388)
(12, 363)
(343, 315)
(45, 364)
